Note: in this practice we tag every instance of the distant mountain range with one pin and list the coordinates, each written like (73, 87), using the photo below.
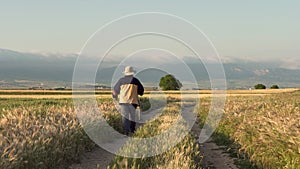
(23, 70)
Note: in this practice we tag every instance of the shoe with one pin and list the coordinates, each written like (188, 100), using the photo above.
(126, 133)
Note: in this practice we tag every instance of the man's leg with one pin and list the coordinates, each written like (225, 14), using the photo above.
(125, 111)
(132, 118)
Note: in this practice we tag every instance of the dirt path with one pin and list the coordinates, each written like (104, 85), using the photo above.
(98, 158)
(214, 156)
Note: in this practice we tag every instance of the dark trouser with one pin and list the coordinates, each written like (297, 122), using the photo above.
(128, 117)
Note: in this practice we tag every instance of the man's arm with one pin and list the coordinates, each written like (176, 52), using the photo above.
(116, 90)
(140, 88)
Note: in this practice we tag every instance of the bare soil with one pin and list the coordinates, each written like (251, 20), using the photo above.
(214, 156)
(98, 158)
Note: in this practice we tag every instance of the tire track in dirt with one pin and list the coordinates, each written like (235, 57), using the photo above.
(214, 156)
(98, 158)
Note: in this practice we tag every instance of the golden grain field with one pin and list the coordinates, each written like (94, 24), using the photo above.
(264, 129)
(41, 130)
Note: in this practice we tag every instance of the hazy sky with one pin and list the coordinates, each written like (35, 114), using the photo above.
(242, 29)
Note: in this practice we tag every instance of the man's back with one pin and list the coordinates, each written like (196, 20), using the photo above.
(129, 87)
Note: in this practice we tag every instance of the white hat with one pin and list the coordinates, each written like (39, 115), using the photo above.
(129, 70)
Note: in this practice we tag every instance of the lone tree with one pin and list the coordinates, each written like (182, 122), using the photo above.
(274, 87)
(260, 86)
(169, 82)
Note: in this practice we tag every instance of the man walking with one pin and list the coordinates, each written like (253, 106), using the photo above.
(128, 88)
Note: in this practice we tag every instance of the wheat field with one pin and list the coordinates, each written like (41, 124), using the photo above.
(264, 130)
(262, 127)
